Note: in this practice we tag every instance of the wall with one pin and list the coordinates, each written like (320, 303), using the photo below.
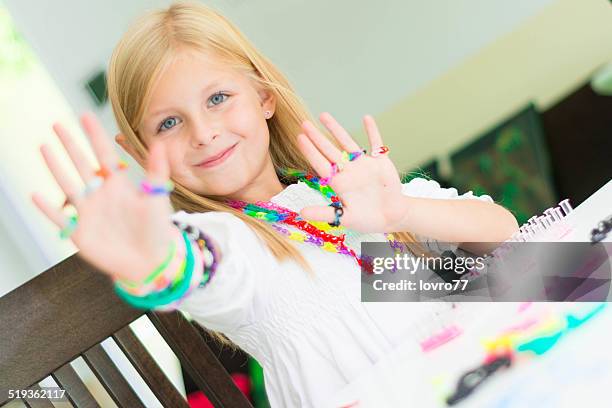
(543, 60)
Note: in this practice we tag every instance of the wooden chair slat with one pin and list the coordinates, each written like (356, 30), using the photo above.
(38, 321)
(146, 366)
(198, 360)
(109, 375)
(67, 311)
(76, 391)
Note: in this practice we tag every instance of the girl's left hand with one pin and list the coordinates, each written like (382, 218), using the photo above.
(369, 187)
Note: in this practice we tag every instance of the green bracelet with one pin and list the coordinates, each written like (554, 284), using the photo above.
(156, 272)
(168, 295)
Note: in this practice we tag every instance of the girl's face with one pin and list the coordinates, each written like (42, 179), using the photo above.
(212, 122)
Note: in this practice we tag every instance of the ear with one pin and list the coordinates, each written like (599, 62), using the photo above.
(122, 141)
(268, 100)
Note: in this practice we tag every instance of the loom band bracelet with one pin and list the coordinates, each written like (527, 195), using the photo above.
(157, 189)
(379, 151)
(168, 295)
(165, 297)
(156, 272)
(158, 285)
(198, 280)
(69, 226)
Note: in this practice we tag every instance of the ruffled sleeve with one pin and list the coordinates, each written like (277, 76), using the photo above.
(424, 188)
(420, 187)
(228, 301)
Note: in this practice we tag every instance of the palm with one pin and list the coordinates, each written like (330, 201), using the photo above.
(120, 230)
(366, 186)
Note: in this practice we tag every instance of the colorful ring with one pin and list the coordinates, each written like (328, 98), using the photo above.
(335, 169)
(380, 151)
(338, 212)
(105, 173)
(69, 226)
(157, 189)
(93, 184)
(350, 156)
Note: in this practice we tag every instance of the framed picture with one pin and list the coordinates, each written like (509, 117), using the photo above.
(511, 164)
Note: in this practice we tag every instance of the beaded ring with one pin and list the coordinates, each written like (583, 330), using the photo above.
(156, 189)
(69, 226)
(338, 212)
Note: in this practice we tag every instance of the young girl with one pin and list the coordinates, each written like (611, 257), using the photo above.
(264, 254)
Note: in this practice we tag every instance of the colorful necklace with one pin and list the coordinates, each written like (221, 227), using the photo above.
(313, 232)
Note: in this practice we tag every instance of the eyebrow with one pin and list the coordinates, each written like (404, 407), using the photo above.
(206, 89)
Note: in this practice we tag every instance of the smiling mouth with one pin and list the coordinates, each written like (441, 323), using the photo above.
(218, 160)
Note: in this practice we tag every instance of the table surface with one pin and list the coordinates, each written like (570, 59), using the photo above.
(576, 371)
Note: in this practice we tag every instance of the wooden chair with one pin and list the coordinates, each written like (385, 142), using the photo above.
(66, 312)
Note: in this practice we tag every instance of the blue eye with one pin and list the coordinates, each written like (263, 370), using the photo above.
(218, 98)
(168, 124)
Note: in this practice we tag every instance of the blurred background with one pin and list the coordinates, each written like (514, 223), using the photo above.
(510, 99)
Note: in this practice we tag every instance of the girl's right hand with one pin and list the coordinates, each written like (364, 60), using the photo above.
(121, 230)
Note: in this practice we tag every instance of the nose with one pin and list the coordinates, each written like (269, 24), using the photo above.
(203, 134)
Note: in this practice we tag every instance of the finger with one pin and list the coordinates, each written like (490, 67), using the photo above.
(157, 168)
(68, 187)
(318, 213)
(373, 133)
(320, 164)
(102, 147)
(53, 214)
(322, 143)
(121, 141)
(82, 164)
(343, 137)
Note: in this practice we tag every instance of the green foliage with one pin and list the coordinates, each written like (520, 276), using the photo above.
(16, 56)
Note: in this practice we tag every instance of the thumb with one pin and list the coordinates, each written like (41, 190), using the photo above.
(157, 168)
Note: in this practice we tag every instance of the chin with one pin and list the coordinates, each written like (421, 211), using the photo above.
(224, 188)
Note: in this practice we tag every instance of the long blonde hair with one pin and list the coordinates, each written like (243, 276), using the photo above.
(149, 46)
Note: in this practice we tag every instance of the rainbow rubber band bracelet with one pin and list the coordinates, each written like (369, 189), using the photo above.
(168, 295)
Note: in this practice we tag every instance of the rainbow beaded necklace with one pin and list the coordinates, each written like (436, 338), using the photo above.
(315, 233)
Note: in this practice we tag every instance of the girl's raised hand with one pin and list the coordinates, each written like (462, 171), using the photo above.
(369, 187)
(121, 230)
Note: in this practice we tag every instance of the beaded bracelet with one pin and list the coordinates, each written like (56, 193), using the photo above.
(209, 251)
(168, 295)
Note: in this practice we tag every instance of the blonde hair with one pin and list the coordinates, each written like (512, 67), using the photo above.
(150, 45)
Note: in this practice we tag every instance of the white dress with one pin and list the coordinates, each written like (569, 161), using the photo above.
(311, 334)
